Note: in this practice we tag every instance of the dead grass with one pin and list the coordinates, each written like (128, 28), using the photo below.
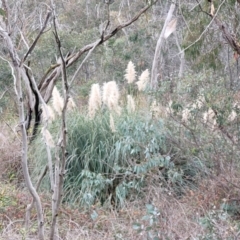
(10, 153)
(196, 215)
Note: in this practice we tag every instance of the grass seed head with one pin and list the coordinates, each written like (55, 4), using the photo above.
(95, 100)
(130, 75)
(57, 101)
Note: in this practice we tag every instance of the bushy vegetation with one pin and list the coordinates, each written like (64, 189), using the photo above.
(105, 165)
(112, 157)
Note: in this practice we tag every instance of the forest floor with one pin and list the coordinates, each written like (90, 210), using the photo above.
(210, 211)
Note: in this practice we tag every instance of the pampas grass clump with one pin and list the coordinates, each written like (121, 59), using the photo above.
(143, 80)
(111, 96)
(95, 100)
(130, 75)
(57, 101)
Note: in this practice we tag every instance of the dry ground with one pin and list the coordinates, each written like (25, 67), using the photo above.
(201, 213)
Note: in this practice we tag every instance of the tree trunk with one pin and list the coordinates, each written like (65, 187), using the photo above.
(155, 64)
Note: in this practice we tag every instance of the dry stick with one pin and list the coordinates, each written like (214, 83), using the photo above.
(31, 205)
(60, 163)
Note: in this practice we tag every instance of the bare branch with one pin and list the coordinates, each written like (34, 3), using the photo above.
(203, 32)
(60, 163)
(37, 38)
(48, 81)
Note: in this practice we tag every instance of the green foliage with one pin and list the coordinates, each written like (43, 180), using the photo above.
(103, 165)
(215, 222)
(149, 224)
(2, 12)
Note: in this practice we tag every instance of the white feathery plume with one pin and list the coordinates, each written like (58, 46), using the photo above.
(95, 100)
(130, 104)
(49, 115)
(57, 101)
(48, 137)
(111, 96)
(209, 117)
(71, 104)
(112, 125)
(232, 116)
(236, 105)
(130, 75)
(143, 80)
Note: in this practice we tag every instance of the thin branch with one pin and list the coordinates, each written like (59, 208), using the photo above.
(37, 38)
(31, 205)
(204, 31)
(60, 165)
(3, 94)
(47, 82)
(84, 60)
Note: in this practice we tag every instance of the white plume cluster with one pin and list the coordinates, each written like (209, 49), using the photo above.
(130, 75)
(71, 104)
(57, 101)
(95, 100)
(111, 96)
(210, 118)
(232, 116)
(143, 80)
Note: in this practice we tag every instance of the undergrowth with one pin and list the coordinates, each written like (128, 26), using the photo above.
(112, 167)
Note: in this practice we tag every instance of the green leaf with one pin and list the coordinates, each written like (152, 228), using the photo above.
(136, 226)
(2, 12)
(149, 207)
(145, 218)
(94, 215)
